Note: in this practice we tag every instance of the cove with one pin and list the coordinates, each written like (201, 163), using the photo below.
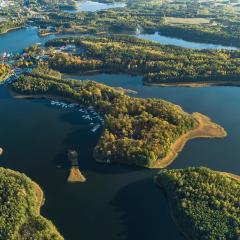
(158, 37)
(15, 41)
(116, 202)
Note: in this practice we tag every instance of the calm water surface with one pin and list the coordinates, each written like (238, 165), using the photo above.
(116, 202)
(15, 41)
(92, 6)
(157, 37)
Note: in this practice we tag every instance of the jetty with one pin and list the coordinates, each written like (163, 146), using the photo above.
(75, 174)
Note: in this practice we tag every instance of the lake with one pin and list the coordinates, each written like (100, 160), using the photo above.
(92, 6)
(15, 41)
(116, 202)
(158, 37)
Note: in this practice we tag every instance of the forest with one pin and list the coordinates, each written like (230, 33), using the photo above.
(19, 210)
(204, 203)
(213, 21)
(158, 63)
(218, 24)
(4, 71)
(136, 132)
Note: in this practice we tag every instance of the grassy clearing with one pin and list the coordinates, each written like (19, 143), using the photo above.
(191, 21)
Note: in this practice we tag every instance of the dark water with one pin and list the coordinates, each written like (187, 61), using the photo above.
(157, 37)
(93, 6)
(116, 202)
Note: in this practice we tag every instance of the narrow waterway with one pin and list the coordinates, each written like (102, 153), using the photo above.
(165, 40)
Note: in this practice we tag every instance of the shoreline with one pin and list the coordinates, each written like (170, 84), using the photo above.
(205, 129)
(10, 30)
(39, 197)
(195, 84)
(170, 204)
(75, 175)
(171, 212)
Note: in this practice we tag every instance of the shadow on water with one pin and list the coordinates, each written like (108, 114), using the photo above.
(142, 206)
(84, 142)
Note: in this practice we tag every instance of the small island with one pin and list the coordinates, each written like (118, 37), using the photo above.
(24, 221)
(142, 132)
(75, 174)
(204, 204)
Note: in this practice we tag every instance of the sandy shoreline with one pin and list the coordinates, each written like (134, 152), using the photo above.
(75, 176)
(205, 129)
(40, 197)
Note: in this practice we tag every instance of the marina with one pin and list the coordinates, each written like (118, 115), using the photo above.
(88, 114)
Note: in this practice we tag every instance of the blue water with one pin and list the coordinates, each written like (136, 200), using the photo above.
(157, 37)
(92, 6)
(15, 41)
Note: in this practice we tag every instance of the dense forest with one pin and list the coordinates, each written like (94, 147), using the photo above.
(137, 131)
(158, 63)
(4, 71)
(204, 203)
(19, 210)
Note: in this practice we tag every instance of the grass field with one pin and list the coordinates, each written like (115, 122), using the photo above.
(192, 21)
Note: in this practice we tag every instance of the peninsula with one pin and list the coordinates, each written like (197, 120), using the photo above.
(25, 220)
(136, 131)
(203, 203)
(158, 64)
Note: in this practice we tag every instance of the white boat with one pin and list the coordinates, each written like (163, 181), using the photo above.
(95, 128)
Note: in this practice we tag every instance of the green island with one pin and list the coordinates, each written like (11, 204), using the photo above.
(137, 131)
(203, 203)
(159, 64)
(20, 201)
(4, 72)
